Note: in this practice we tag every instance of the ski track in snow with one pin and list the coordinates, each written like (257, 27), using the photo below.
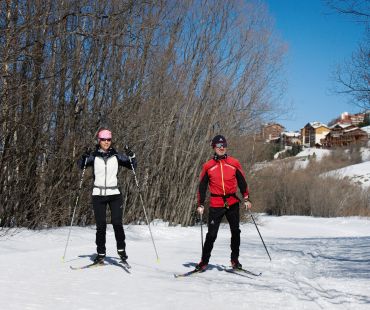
(316, 264)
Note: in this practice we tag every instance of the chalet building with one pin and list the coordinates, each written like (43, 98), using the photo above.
(338, 128)
(271, 131)
(353, 119)
(313, 132)
(336, 132)
(290, 138)
(345, 135)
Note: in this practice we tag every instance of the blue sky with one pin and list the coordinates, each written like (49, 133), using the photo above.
(318, 39)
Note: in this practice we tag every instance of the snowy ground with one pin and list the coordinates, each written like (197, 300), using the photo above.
(358, 174)
(316, 264)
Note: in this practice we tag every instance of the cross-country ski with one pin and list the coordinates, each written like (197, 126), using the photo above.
(187, 274)
(92, 265)
(242, 271)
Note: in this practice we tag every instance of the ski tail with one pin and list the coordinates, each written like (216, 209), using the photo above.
(189, 273)
(92, 265)
(241, 270)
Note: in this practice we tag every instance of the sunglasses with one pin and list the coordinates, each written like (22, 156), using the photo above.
(109, 140)
(220, 145)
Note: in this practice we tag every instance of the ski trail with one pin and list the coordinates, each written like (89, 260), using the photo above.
(306, 272)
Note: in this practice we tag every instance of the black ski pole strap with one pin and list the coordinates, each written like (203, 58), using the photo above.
(224, 198)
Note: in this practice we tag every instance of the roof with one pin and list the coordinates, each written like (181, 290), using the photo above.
(273, 124)
(354, 129)
(316, 125)
(345, 125)
(291, 134)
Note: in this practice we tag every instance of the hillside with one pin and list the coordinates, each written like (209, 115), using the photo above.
(358, 174)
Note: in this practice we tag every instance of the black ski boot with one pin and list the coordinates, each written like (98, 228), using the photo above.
(201, 266)
(235, 264)
(122, 254)
(99, 258)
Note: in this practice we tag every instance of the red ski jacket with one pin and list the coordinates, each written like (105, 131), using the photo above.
(222, 176)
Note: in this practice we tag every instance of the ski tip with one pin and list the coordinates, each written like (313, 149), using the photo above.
(158, 261)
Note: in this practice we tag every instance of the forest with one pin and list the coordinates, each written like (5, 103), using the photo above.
(164, 76)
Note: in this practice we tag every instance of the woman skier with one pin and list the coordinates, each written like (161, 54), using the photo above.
(105, 161)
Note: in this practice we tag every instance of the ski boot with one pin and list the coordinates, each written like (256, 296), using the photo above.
(201, 266)
(99, 258)
(122, 255)
(235, 264)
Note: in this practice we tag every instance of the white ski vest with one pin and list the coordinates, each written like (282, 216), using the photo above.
(105, 171)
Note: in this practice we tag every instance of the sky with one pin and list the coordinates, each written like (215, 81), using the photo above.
(318, 40)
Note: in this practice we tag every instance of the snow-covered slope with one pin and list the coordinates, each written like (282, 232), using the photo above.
(316, 264)
(357, 174)
(319, 153)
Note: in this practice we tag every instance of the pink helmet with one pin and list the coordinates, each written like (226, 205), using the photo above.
(105, 134)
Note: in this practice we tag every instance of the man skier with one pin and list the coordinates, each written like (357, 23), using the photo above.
(105, 161)
(222, 174)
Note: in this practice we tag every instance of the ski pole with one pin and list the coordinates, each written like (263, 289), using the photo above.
(74, 210)
(201, 230)
(259, 234)
(142, 203)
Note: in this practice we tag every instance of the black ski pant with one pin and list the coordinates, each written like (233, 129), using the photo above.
(100, 211)
(214, 221)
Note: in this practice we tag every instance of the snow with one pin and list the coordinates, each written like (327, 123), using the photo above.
(345, 125)
(365, 153)
(292, 134)
(317, 124)
(310, 151)
(287, 147)
(302, 161)
(317, 263)
(358, 174)
(366, 129)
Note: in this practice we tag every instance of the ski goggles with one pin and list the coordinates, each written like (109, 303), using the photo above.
(104, 139)
(220, 145)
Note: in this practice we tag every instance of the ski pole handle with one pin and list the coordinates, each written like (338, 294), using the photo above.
(128, 152)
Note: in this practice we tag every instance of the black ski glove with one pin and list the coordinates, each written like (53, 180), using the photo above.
(129, 152)
(87, 154)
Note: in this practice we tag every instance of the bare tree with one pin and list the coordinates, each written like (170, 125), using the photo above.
(358, 9)
(353, 77)
(164, 75)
